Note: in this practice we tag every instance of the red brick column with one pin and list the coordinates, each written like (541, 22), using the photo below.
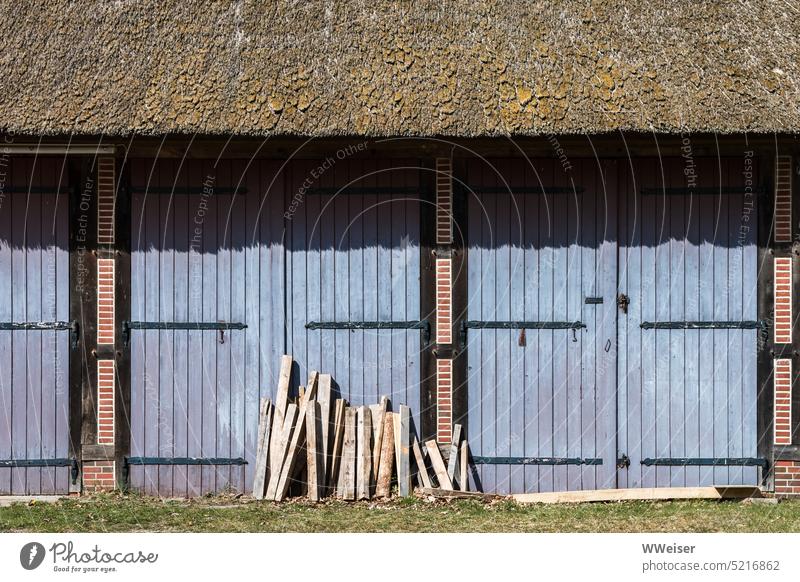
(99, 470)
(786, 469)
(444, 298)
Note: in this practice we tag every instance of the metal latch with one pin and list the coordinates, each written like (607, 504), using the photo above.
(623, 462)
(623, 301)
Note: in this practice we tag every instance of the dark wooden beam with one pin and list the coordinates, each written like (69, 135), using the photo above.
(122, 306)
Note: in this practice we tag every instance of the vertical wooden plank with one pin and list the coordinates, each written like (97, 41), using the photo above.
(464, 466)
(325, 402)
(382, 488)
(385, 216)
(281, 403)
(720, 343)
(574, 341)
(590, 211)
(403, 460)
(735, 418)
(180, 300)
(49, 339)
(364, 453)
(750, 340)
(152, 338)
(6, 338)
(475, 219)
(296, 286)
(488, 337)
(341, 241)
(355, 287)
(411, 247)
(314, 451)
(530, 281)
(166, 312)
(378, 416)
(314, 281)
(262, 454)
(691, 372)
(348, 481)
(452, 460)
(370, 284)
(423, 478)
(252, 309)
(438, 465)
(646, 294)
(196, 391)
(707, 219)
(279, 453)
(677, 312)
(337, 438)
(34, 298)
(547, 291)
(240, 416)
(19, 363)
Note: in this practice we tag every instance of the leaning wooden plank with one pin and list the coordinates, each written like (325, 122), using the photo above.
(444, 494)
(348, 481)
(364, 453)
(335, 457)
(464, 471)
(384, 482)
(452, 461)
(313, 381)
(404, 458)
(378, 414)
(281, 402)
(422, 470)
(438, 465)
(279, 452)
(314, 450)
(324, 399)
(645, 494)
(293, 451)
(262, 451)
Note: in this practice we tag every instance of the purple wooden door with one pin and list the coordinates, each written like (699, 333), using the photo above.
(541, 330)
(34, 292)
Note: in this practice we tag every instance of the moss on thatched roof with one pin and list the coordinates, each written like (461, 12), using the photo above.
(399, 68)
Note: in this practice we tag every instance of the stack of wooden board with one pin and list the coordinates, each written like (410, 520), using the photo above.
(319, 446)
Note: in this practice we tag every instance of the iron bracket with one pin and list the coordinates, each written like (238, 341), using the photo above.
(127, 326)
(423, 325)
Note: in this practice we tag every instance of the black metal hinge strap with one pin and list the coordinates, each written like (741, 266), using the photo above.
(706, 462)
(423, 325)
(573, 325)
(221, 326)
(32, 463)
(702, 325)
(536, 461)
(72, 326)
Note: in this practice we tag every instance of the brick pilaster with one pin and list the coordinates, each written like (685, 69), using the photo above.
(783, 300)
(444, 298)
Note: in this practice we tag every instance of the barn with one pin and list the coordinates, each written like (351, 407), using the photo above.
(567, 228)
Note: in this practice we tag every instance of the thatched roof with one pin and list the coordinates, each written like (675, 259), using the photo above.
(377, 67)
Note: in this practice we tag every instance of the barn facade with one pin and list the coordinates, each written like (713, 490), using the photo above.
(586, 258)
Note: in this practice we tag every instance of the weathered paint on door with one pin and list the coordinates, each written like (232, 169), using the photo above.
(276, 257)
(537, 257)
(34, 287)
(353, 257)
(614, 389)
(203, 256)
(687, 256)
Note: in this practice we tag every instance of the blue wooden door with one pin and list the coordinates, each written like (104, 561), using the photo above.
(34, 351)
(234, 264)
(207, 320)
(541, 330)
(353, 275)
(687, 344)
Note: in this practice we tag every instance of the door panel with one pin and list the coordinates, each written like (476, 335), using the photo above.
(34, 288)
(354, 257)
(687, 255)
(541, 401)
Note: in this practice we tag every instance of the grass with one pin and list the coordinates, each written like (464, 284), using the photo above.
(132, 513)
